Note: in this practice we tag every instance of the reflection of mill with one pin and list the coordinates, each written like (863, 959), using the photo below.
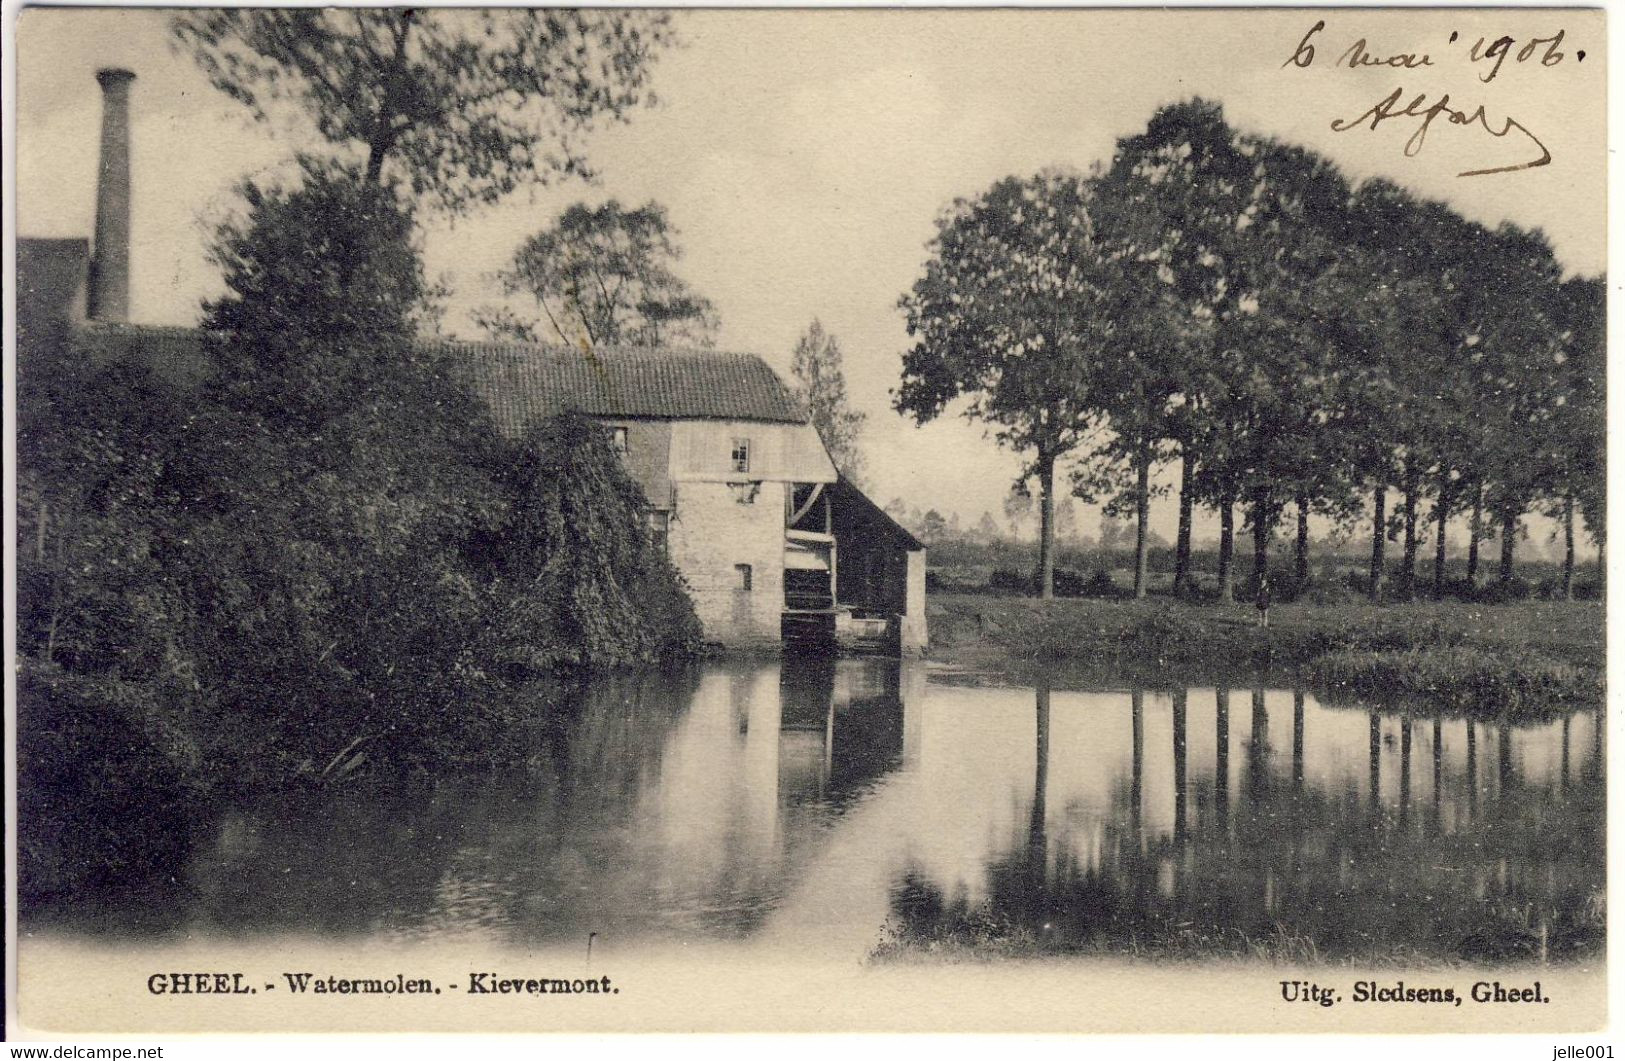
(840, 723)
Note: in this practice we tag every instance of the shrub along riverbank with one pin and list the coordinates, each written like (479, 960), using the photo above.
(1526, 658)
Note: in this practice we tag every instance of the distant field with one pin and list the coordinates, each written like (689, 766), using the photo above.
(1007, 567)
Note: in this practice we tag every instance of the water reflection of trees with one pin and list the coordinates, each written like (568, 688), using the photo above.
(651, 803)
(1295, 867)
(690, 804)
(462, 853)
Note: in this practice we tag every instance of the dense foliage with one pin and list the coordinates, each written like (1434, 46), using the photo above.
(463, 105)
(1299, 345)
(567, 570)
(322, 560)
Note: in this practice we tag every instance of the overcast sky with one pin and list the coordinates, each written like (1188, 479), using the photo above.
(805, 156)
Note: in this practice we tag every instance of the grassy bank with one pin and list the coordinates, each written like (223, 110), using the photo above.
(1496, 930)
(1528, 656)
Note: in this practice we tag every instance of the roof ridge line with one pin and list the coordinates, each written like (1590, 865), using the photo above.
(522, 382)
(137, 326)
(616, 350)
(483, 345)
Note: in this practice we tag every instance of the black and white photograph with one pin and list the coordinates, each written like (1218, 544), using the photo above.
(1060, 520)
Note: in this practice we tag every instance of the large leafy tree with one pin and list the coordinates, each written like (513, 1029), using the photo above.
(265, 570)
(1281, 365)
(1452, 368)
(1186, 171)
(463, 105)
(1582, 421)
(1145, 380)
(1022, 302)
(602, 276)
(1519, 319)
(1393, 311)
(336, 474)
(1460, 379)
(820, 383)
(1254, 406)
(1203, 184)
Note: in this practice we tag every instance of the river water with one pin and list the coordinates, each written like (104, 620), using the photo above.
(853, 808)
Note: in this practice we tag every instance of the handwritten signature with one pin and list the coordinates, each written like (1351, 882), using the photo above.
(1388, 108)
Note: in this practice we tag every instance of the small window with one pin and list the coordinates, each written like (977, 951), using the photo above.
(659, 529)
(618, 439)
(743, 571)
(745, 493)
(741, 455)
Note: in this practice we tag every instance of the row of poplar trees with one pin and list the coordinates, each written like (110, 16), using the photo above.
(1299, 346)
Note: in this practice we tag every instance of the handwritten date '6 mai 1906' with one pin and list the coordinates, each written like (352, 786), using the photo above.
(1487, 57)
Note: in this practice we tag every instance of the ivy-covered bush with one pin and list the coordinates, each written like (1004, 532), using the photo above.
(579, 578)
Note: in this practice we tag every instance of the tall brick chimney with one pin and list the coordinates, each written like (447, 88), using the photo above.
(109, 294)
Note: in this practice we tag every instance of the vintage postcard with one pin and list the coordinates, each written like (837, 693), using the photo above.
(1061, 520)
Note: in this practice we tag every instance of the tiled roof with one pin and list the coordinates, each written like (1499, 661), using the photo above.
(51, 264)
(525, 384)
(174, 353)
(50, 279)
